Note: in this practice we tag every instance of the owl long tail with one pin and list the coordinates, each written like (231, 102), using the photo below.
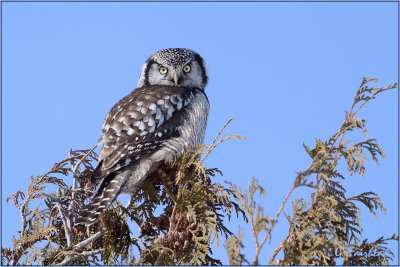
(107, 193)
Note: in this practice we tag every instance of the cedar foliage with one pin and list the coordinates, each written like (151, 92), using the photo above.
(183, 210)
(194, 209)
(325, 228)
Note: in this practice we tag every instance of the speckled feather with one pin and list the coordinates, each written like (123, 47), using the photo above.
(140, 123)
(174, 56)
(150, 126)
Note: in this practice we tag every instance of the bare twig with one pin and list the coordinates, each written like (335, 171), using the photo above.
(70, 259)
(35, 183)
(218, 139)
(283, 204)
(251, 219)
(74, 168)
(73, 194)
(276, 251)
(66, 222)
(87, 241)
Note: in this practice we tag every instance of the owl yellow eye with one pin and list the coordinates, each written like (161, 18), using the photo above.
(163, 70)
(187, 69)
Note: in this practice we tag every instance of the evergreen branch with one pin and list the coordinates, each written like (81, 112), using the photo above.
(332, 220)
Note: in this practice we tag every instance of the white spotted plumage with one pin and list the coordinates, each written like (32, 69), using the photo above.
(165, 114)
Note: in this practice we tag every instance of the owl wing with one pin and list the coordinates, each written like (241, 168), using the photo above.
(139, 124)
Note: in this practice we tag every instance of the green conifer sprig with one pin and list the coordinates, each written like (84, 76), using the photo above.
(194, 211)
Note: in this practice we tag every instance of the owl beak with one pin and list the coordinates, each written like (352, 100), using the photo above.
(176, 78)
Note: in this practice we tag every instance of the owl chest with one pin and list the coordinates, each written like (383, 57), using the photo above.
(194, 123)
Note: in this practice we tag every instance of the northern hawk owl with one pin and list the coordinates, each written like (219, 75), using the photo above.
(164, 115)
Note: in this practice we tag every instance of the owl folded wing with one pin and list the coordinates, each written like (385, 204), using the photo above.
(139, 124)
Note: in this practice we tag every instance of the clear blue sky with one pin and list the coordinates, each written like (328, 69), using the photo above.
(286, 71)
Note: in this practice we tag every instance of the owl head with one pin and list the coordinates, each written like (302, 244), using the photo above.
(176, 67)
